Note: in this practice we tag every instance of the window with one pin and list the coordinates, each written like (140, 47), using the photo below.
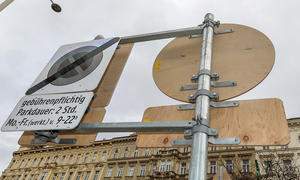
(268, 166)
(70, 175)
(43, 176)
(213, 167)
(147, 152)
(162, 166)
(299, 139)
(288, 166)
(38, 165)
(153, 169)
(284, 147)
(266, 147)
(229, 167)
(142, 171)
(158, 150)
(186, 149)
(25, 176)
(246, 165)
(183, 168)
(62, 176)
(87, 175)
(94, 157)
(62, 159)
(20, 165)
(27, 163)
(213, 148)
(136, 152)
(115, 154)
(228, 147)
(78, 175)
(12, 163)
(120, 171)
(103, 156)
(33, 162)
(131, 170)
(125, 154)
(109, 171)
(86, 157)
(70, 159)
(168, 166)
(55, 159)
(77, 159)
(54, 176)
(96, 175)
(244, 147)
(18, 178)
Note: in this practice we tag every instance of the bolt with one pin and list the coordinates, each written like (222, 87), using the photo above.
(246, 138)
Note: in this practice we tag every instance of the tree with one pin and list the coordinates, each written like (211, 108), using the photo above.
(278, 164)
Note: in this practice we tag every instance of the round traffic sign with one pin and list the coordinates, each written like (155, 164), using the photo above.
(245, 56)
(78, 72)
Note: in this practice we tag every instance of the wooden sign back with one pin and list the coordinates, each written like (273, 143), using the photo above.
(111, 76)
(256, 122)
(245, 56)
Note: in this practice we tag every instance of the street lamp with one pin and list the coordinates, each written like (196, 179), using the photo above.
(55, 7)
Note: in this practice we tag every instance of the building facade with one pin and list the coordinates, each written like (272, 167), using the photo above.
(119, 158)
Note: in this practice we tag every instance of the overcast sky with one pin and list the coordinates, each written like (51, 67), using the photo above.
(30, 33)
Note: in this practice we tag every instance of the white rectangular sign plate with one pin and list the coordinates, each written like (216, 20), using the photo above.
(84, 77)
(48, 112)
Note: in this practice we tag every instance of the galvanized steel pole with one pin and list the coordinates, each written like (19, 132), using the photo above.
(198, 165)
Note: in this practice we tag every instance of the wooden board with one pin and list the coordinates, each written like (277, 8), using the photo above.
(255, 122)
(95, 115)
(245, 56)
(111, 77)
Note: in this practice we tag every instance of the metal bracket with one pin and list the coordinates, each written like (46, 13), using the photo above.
(200, 128)
(221, 104)
(211, 95)
(223, 84)
(213, 140)
(213, 84)
(182, 142)
(213, 76)
(224, 31)
(42, 137)
(224, 104)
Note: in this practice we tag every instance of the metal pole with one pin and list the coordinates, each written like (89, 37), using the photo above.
(198, 162)
(220, 177)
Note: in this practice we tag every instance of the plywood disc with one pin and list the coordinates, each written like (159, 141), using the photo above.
(245, 56)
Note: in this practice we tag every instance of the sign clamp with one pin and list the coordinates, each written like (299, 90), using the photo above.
(213, 75)
(42, 137)
(205, 92)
